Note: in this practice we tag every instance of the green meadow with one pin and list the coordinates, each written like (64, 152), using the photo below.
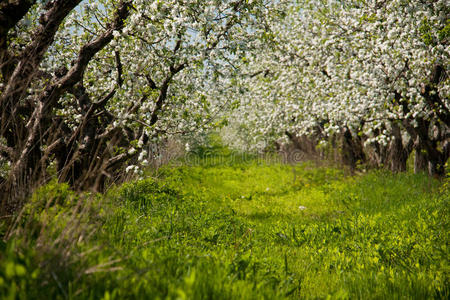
(242, 229)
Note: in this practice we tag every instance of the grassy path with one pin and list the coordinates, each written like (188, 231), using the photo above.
(248, 231)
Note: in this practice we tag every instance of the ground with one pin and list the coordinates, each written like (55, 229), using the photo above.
(237, 230)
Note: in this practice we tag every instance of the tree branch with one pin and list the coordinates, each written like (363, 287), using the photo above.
(10, 14)
(33, 54)
(163, 92)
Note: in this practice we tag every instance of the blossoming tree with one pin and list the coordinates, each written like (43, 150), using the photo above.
(85, 88)
(373, 72)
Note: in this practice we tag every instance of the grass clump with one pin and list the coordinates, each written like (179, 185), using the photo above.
(242, 230)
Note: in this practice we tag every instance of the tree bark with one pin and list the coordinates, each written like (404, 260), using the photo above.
(427, 148)
(352, 150)
(11, 12)
(32, 55)
(398, 155)
(44, 134)
(420, 162)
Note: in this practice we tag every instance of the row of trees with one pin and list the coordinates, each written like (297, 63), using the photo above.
(86, 87)
(367, 77)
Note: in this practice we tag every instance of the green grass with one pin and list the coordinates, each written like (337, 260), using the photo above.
(242, 230)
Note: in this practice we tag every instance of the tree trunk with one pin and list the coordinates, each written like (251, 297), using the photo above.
(398, 155)
(352, 149)
(428, 155)
(420, 162)
(37, 134)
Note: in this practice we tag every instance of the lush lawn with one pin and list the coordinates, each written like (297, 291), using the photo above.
(236, 231)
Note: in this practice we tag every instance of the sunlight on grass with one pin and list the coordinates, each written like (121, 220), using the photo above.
(248, 230)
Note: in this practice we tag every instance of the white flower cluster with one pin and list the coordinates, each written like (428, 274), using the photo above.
(183, 52)
(265, 66)
(342, 63)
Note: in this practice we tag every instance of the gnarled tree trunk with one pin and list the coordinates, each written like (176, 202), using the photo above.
(398, 154)
(33, 133)
(352, 150)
